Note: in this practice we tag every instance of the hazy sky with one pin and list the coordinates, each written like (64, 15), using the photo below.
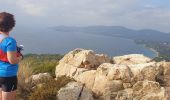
(135, 14)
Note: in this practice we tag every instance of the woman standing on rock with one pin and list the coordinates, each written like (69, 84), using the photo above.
(9, 58)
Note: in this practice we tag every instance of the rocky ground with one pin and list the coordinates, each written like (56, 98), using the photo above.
(99, 77)
(167, 86)
(128, 77)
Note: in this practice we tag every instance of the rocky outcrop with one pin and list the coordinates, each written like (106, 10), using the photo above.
(131, 59)
(37, 78)
(126, 94)
(81, 58)
(110, 78)
(81, 64)
(74, 91)
(145, 71)
(118, 79)
(148, 90)
(143, 90)
(165, 67)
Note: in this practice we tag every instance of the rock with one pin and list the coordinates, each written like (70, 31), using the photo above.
(68, 70)
(74, 91)
(126, 94)
(146, 71)
(105, 87)
(77, 62)
(84, 59)
(127, 85)
(165, 67)
(148, 90)
(110, 78)
(115, 72)
(131, 77)
(131, 59)
(108, 96)
(143, 90)
(36, 79)
(37, 86)
(87, 78)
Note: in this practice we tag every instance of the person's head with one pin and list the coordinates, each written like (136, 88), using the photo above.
(7, 22)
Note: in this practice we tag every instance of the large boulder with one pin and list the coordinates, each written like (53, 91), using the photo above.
(110, 78)
(165, 67)
(145, 71)
(84, 59)
(131, 59)
(115, 72)
(38, 78)
(79, 61)
(148, 90)
(143, 90)
(87, 78)
(108, 91)
(68, 70)
(81, 65)
(74, 91)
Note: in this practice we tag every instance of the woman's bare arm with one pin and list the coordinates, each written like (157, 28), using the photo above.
(12, 57)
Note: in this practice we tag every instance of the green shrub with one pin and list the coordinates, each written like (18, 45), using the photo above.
(34, 64)
(48, 90)
(45, 66)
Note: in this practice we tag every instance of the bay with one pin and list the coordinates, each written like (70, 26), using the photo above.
(48, 41)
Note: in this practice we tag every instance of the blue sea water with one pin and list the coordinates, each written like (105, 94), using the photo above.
(48, 41)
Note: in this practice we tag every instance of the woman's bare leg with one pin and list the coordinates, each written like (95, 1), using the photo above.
(8, 95)
(0, 93)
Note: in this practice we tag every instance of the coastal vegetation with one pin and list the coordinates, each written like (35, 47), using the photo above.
(34, 64)
(162, 48)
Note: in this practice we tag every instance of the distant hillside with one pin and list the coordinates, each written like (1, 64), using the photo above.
(119, 31)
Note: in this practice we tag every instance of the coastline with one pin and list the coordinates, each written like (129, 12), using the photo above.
(153, 50)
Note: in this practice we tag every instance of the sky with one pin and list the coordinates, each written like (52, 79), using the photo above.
(134, 14)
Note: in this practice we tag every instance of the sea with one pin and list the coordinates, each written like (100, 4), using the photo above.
(49, 41)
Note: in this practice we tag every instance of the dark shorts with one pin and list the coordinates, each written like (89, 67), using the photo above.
(8, 84)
